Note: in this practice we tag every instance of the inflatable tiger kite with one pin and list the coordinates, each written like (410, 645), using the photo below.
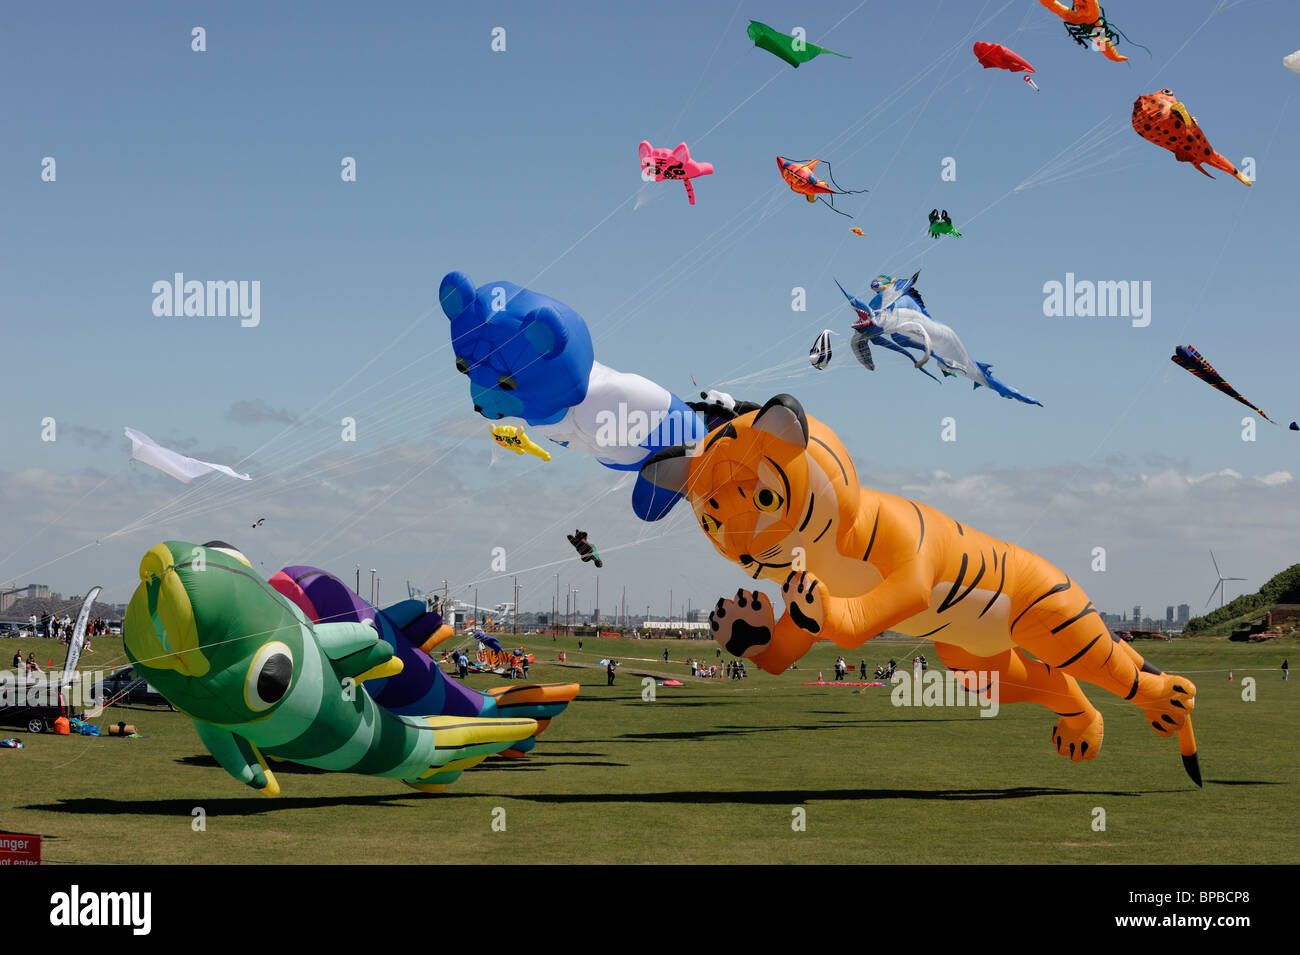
(771, 482)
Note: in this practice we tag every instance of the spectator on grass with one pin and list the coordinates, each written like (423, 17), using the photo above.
(862, 668)
(609, 671)
(1286, 669)
(18, 661)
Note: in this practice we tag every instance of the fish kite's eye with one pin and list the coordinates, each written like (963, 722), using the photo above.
(712, 526)
(507, 383)
(462, 365)
(765, 499)
(269, 677)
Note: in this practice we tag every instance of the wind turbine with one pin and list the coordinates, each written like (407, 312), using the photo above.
(1219, 588)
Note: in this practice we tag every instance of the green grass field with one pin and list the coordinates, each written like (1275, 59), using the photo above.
(711, 773)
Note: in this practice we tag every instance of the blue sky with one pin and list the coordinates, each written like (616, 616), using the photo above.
(521, 166)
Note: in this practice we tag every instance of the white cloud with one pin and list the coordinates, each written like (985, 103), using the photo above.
(435, 511)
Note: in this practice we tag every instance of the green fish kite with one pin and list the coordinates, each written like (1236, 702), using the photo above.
(259, 679)
(793, 49)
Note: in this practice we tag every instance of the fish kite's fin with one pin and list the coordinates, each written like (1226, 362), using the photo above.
(357, 651)
(405, 612)
(463, 742)
(538, 701)
(1006, 391)
(541, 702)
(238, 757)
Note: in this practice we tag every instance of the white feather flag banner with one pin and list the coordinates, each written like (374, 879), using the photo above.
(186, 469)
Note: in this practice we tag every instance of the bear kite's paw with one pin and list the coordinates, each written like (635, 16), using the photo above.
(1078, 736)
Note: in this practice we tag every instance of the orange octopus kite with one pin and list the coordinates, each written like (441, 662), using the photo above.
(1085, 21)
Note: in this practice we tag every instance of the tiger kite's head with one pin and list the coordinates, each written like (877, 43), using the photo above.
(765, 485)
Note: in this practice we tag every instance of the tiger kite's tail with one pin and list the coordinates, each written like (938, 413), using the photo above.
(1187, 746)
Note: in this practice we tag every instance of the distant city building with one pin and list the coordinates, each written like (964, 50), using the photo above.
(1137, 616)
(1169, 615)
(1184, 613)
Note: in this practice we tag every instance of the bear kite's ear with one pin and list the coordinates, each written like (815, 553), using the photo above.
(670, 468)
(783, 418)
(545, 331)
(455, 294)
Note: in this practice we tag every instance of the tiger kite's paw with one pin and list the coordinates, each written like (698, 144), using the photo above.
(1079, 736)
(743, 626)
(804, 601)
(1167, 700)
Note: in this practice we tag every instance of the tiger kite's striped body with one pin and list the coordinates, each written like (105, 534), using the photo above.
(777, 492)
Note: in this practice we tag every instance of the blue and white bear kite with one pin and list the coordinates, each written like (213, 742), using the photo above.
(529, 356)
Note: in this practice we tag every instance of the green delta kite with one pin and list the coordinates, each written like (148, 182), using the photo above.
(793, 49)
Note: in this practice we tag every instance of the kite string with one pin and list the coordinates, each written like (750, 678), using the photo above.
(66, 512)
(704, 72)
(144, 520)
(1187, 313)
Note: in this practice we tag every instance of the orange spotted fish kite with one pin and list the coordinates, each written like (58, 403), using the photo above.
(1162, 119)
(1086, 23)
(801, 179)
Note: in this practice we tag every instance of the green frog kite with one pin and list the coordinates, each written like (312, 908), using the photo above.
(942, 225)
(260, 680)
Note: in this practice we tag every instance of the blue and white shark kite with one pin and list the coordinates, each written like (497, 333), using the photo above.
(896, 319)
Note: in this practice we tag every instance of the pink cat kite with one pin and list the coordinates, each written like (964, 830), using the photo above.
(661, 164)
